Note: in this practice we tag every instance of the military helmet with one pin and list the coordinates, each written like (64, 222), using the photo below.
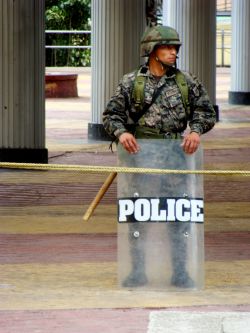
(159, 35)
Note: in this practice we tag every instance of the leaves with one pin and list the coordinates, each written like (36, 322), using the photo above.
(67, 15)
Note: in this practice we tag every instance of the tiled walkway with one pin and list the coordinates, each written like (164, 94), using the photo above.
(58, 273)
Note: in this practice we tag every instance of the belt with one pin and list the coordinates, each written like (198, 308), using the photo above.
(143, 132)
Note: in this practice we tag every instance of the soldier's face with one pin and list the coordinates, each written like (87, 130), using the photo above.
(166, 54)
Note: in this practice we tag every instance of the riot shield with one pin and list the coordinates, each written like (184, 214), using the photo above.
(160, 219)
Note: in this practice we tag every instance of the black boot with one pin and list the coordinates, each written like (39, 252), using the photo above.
(180, 277)
(137, 277)
(182, 280)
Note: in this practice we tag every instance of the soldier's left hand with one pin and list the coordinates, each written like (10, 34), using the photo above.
(191, 143)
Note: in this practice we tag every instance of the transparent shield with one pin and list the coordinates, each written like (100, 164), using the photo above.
(160, 219)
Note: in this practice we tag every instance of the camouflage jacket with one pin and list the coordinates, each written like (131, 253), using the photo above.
(167, 113)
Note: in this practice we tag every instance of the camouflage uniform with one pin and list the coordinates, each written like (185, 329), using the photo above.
(167, 114)
(147, 185)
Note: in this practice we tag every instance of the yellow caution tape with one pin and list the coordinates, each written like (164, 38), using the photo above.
(108, 169)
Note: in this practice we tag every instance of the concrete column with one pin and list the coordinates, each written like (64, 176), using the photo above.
(22, 110)
(117, 27)
(240, 55)
(195, 20)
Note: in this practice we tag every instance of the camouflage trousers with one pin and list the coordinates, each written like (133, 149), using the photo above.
(149, 185)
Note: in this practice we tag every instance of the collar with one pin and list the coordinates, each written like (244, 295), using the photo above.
(144, 71)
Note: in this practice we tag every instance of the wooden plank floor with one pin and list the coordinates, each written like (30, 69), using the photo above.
(58, 273)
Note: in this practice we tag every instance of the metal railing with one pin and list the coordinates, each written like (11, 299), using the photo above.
(223, 48)
(73, 32)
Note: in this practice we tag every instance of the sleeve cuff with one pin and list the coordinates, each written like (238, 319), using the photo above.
(119, 132)
(199, 133)
(196, 129)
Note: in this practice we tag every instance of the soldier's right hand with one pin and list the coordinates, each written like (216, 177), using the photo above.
(129, 143)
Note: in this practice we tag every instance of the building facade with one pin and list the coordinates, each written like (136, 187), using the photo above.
(117, 26)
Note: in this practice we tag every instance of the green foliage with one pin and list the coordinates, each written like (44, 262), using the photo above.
(67, 15)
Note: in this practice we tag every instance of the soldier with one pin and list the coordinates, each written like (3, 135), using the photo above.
(158, 101)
